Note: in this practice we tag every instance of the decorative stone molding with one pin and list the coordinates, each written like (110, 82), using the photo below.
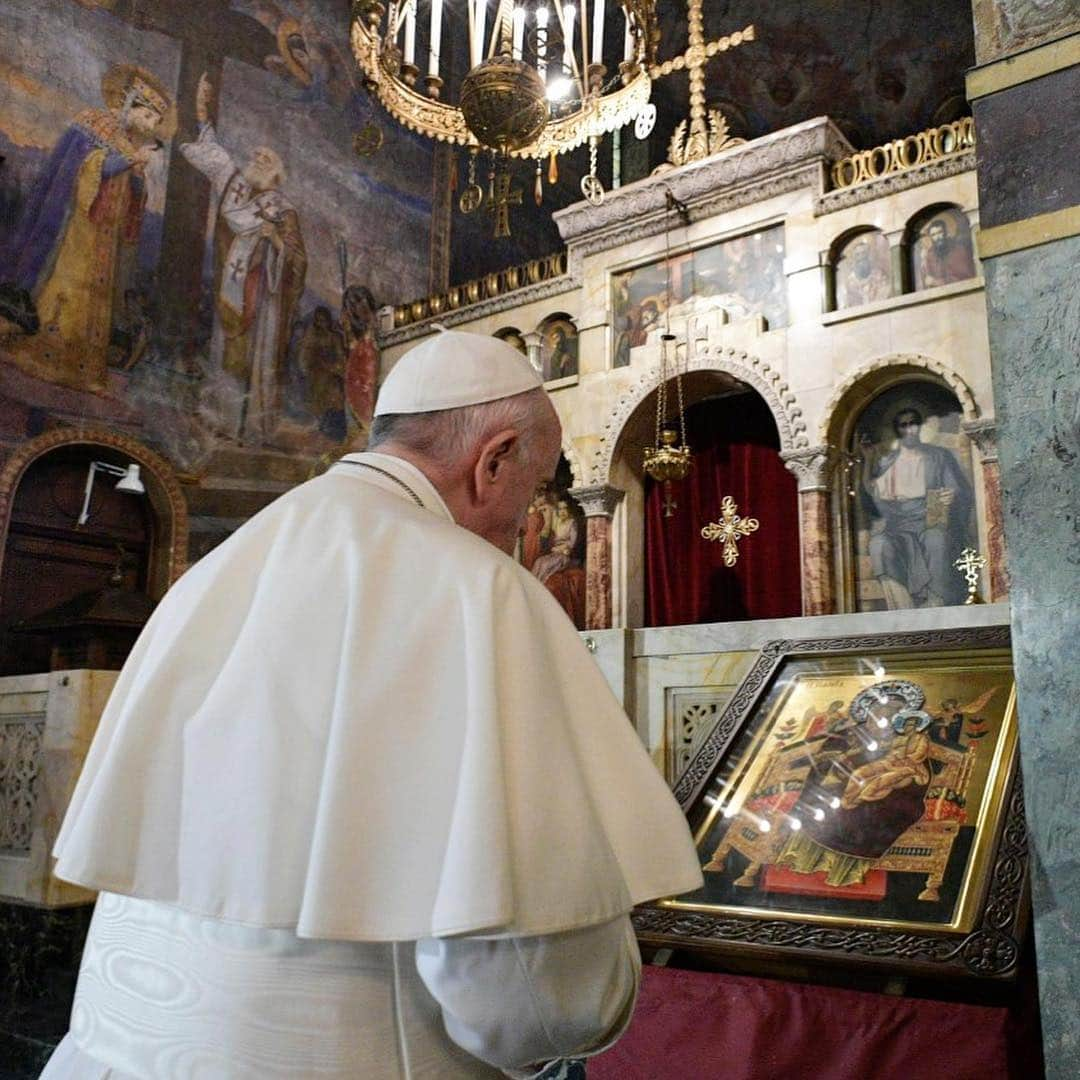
(813, 467)
(598, 500)
(983, 433)
(797, 157)
(161, 485)
(527, 294)
(831, 201)
(898, 360)
(654, 222)
(751, 370)
(577, 472)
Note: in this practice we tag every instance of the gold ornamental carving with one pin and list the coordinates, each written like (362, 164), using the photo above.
(730, 529)
(901, 155)
(708, 133)
(699, 144)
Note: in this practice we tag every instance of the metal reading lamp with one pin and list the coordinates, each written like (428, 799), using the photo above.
(129, 482)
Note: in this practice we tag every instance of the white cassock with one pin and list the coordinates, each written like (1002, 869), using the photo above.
(382, 813)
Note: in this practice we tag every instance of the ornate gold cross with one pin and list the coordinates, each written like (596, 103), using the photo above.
(501, 200)
(730, 528)
(707, 135)
(969, 564)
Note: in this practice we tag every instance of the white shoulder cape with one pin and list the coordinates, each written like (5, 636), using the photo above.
(356, 719)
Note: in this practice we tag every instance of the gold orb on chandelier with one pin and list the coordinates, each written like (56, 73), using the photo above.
(504, 103)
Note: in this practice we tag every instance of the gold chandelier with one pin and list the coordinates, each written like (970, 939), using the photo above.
(537, 83)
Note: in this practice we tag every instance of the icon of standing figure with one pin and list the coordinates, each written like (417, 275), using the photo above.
(923, 502)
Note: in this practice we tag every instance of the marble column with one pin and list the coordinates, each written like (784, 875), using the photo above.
(1023, 92)
(599, 502)
(983, 433)
(813, 468)
(532, 344)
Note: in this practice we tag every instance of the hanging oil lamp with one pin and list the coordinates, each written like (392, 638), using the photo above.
(669, 458)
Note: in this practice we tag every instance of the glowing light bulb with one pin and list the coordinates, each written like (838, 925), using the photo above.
(558, 88)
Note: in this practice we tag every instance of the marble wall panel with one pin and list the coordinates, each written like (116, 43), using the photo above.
(1027, 148)
(1035, 341)
(71, 703)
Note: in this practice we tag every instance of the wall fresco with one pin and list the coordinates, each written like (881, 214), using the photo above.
(190, 247)
(744, 276)
(913, 499)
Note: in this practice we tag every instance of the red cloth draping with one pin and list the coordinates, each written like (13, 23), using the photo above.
(736, 452)
(692, 1025)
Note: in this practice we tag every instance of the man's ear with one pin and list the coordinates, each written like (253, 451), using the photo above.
(495, 454)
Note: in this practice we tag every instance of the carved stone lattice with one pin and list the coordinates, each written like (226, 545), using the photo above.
(691, 715)
(20, 766)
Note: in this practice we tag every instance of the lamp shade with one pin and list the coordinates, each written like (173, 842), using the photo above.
(131, 482)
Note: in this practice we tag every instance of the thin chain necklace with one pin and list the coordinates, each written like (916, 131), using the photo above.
(389, 476)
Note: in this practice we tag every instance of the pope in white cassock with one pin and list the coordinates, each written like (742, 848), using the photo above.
(361, 804)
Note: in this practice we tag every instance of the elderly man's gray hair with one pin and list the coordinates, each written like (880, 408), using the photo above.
(447, 435)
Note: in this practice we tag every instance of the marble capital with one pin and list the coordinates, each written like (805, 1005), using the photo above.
(983, 433)
(598, 500)
(813, 467)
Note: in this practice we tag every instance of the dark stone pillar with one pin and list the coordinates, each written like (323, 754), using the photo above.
(1024, 96)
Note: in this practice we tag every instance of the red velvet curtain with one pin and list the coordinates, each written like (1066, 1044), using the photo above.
(736, 452)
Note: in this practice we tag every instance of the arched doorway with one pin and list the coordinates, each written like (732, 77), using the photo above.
(736, 450)
(102, 575)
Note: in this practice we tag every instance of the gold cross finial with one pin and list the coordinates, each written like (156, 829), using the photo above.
(502, 199)
(730, 528)
(708, 133)
(969, 564)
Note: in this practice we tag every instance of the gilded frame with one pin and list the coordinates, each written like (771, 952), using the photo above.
(988, 871)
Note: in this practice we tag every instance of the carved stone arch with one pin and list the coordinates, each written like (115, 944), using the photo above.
(168, 560)
(924, 213)
(842, 239)
(573, 459)
(751, 370)
(868, 381)
(554, 316)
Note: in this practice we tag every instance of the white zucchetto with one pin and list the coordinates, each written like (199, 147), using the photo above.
(453, 369)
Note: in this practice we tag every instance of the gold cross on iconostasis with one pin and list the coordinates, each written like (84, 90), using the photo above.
(730, 528)
(502, 198)
(708, 128)
(969, 564)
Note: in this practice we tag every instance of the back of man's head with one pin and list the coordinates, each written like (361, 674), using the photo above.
(448, 394)
(449, 437)
(471, 413)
